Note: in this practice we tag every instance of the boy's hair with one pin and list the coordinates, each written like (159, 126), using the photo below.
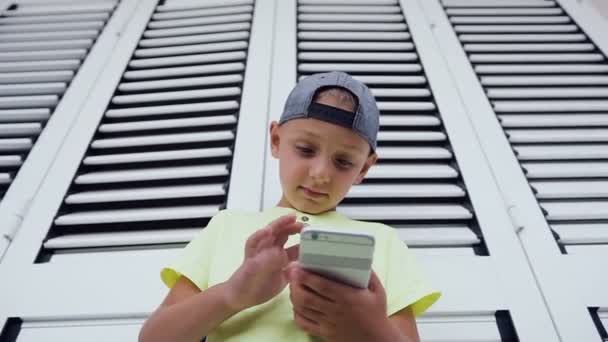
(342, 96)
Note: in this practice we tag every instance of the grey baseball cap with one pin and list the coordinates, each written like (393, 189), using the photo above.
(365, 120)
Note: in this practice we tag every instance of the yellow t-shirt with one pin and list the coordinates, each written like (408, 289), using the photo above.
(218, 250)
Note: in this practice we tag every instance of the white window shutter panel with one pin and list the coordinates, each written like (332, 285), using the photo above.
(533, 76)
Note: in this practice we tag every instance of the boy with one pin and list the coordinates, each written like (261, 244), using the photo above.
(230, 282)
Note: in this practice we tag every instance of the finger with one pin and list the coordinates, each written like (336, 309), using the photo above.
(301, 296)
(254, 240)
(326, 288)
(283, 235)
(287, 226)
(310, 327)
(293, 252)
(310, 314)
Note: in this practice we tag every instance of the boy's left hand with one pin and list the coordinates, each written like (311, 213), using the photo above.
(337, 312)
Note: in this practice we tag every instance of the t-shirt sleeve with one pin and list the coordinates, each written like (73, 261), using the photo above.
(406, 285)
(193, 261)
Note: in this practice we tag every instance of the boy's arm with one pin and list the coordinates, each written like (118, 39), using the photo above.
(187, 314)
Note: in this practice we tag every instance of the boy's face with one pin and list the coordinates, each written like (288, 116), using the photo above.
(318, 161)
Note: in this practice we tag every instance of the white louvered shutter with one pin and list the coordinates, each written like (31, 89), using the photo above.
(545, 84)
(161, 156)
(418, 185)
(44, 68)
(41, 49)
(143, 170)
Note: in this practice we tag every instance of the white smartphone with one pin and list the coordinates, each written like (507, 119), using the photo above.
(337, 254)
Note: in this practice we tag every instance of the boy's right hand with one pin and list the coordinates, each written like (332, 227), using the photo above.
(262, 276)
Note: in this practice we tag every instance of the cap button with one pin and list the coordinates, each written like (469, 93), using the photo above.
(304, 218)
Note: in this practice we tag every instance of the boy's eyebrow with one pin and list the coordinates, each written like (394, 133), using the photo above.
(315, 135)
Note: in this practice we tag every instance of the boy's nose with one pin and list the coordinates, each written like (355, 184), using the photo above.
(320, 171)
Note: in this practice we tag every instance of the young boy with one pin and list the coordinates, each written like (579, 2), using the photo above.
(230, 282)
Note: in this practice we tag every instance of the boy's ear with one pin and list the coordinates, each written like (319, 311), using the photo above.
(371, 160)
(274, 139)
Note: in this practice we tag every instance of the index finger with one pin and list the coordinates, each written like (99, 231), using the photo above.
(285, 225)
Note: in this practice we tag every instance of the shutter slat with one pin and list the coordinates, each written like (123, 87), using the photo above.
(543, 80)
(42, 55)
(549, 152)
(359, 56)
(413, 153)
(5, 178)
(183, 31)
(522, 38)
(558, 135)
(498, 3)
(129, 238)
(189, 49)
(383, 80)
(553, 120)
(405, 212)
(30, 28)
(409, 120)
(47, 45)
(172, 109)
(20, 129)
(551, 106)
(503, 11)
(191, 59)
(24, 115)
(39, 66)
(540, 47)
(566, 170)
(176, 95)
(338, 35)
(541, 69)
(580, 210)
(189, 5)
(6, 161)
(142, 157)
(356, 68)
(134, 215)
(570, 189)
(412, 171)
(201, 12)
(405, 92)
(499, 93)
(405, 191)
(511, 20)
(102, 177)
(514, 28)
(24, 10)
(15, 144)
(53, 19)
(582, 233)
(28, 101)
(36, 77)
(167, 124)
(356, 46)
(220, 19)
(184, 71)
(438, 236)
(195, 39)
(536, 57)
(347, 9)
(162, 139)
(75, 34)
(32, 89)
(180, 83)
(363, 26)
(363, 18)
(141, 194)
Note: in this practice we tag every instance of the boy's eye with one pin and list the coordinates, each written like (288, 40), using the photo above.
(344, 163)
(304, 150)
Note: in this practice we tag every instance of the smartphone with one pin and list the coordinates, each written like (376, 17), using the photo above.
(337, 254)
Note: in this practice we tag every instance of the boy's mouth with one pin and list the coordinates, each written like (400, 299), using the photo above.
(312, 193)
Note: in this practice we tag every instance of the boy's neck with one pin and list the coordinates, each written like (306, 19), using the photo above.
(284, 203)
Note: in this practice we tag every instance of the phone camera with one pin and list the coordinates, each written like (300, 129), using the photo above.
(315, 236)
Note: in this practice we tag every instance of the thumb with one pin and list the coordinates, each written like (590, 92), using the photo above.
(375, 285)
(288, 269)
(293, 252)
